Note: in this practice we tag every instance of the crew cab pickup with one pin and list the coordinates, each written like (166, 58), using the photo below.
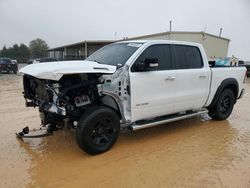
(130, 85)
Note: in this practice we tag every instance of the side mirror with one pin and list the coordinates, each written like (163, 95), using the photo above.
(148, 64)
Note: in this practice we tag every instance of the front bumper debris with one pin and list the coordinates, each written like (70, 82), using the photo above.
(35, 133)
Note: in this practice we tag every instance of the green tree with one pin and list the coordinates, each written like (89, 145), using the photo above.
(7, 52)
(14, 51)
(20, 53)
(38, 48)
(24, 51)
(4, 52)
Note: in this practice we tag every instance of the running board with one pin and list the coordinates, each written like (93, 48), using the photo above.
(166, 119)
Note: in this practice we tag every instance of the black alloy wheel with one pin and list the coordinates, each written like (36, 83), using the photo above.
(224, 105)
(98, 129)
(102, 132)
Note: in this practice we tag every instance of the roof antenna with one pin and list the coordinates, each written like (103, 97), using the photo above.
(220, 32)
(205, 28)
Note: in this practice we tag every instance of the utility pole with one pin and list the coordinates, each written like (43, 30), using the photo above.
(220, 32)
(170, 25)
(205, 28)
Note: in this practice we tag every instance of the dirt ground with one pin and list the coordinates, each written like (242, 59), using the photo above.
(197, 152)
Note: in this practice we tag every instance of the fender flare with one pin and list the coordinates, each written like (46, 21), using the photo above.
(227, 83)
(110, 100)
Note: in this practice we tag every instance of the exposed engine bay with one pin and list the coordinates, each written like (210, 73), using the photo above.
(71, 96)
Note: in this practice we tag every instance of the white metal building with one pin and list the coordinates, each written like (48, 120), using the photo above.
(215, 46)
(79, 50)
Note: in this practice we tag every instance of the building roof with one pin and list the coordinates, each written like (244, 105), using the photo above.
(177, 32)
(82, 42)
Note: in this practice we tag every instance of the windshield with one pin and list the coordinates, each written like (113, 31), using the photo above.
(114, 54)
(5, 61)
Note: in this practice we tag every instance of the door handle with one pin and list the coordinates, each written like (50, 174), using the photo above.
(170, 78)
(203, 76)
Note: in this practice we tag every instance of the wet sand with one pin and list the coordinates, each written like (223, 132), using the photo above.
(197, 152)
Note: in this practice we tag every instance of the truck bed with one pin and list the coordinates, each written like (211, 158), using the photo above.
(220, 73)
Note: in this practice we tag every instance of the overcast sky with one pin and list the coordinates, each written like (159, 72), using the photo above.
(61, 22)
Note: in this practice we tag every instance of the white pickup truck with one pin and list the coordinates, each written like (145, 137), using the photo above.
(130, 85)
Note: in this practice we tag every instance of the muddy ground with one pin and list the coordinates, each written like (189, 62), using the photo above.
(197, 152)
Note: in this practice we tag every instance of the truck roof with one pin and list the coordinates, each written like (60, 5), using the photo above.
(162, 41)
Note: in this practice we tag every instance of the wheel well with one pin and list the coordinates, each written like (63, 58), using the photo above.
(111, 103)
(229, 83)
(234, 88)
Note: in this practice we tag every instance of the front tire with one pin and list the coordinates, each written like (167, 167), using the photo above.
(98, 130)
(224, 105)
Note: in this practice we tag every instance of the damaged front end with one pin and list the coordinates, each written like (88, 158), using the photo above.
(65, 98)
(61, 101)
(42, 94)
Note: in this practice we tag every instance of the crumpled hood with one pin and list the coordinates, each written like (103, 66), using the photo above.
(55, 70)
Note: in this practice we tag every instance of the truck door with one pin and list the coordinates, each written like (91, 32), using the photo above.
(153, 92)
(192, 78)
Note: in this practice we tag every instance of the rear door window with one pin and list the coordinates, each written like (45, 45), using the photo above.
(187, 57)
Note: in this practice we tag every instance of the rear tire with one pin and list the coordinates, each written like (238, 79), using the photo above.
(98, 130)
(224, 105)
